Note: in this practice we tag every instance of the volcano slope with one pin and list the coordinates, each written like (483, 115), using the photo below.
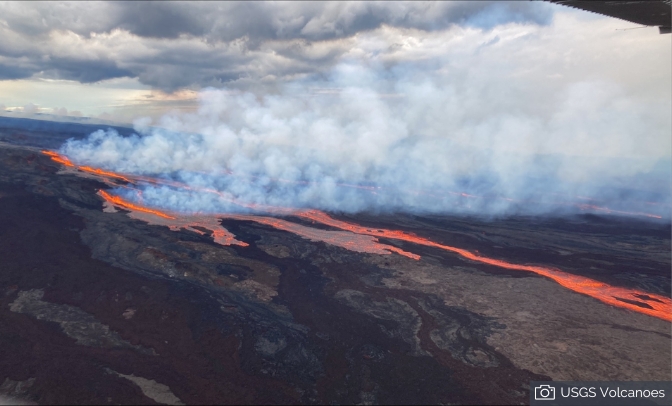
(101, 305)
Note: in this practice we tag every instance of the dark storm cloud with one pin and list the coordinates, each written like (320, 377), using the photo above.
(226, 21)
(84, 71)
(313, 20)
(181, 44)
(161, 19)
(13, 72)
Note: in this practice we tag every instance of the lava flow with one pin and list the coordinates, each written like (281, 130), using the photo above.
(118, 201)
(632, 299)
(175, 222)
(350, 241)
(135, 179)
(56, 157)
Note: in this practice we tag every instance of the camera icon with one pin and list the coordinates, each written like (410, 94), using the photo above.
(544, 392)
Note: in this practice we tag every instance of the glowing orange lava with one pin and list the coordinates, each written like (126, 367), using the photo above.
(350, 241)
(661, 306)
(118, 201)
(175, 221)
(649, 303)
(58, 158)
(271, 209)
(135, 179)
(50, 153)
(103, 173)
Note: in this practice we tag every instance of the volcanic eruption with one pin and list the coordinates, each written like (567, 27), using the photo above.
(331, 202)
(353, 239)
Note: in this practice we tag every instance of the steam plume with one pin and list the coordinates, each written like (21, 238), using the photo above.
(394, 140)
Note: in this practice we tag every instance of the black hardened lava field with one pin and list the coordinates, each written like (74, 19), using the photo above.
(103, 301)
(336, 202)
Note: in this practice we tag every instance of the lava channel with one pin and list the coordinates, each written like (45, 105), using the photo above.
(347, 240)
(632, 299)
(173, 221)
(106, 175)
(176, 221)
(135, 179)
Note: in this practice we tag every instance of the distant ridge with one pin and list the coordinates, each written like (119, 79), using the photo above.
(48, 134)
(63, 119)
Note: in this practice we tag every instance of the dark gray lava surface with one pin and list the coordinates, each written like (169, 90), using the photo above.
(100, 308)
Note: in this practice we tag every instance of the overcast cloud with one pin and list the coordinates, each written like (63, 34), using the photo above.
(170, 45)
(513, 100)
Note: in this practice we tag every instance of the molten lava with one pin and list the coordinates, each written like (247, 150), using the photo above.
(657, 306)
(350, 241)
(103, 173)
(106, 175)
(175, 221)
(632, 299)
(118, 201)
(56, 157)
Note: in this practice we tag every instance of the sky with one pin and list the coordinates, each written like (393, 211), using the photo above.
(381, 85)
(121, 58)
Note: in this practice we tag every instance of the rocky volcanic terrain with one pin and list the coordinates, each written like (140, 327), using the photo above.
(98, 307)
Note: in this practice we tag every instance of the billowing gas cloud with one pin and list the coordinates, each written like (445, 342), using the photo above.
(371, 138)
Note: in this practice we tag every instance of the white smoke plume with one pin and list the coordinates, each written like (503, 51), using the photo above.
(370, 138)
(365, 143)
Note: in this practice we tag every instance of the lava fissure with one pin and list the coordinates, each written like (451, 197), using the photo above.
(632, 299)
(118, 201)
(661, 306)
(373, 189)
